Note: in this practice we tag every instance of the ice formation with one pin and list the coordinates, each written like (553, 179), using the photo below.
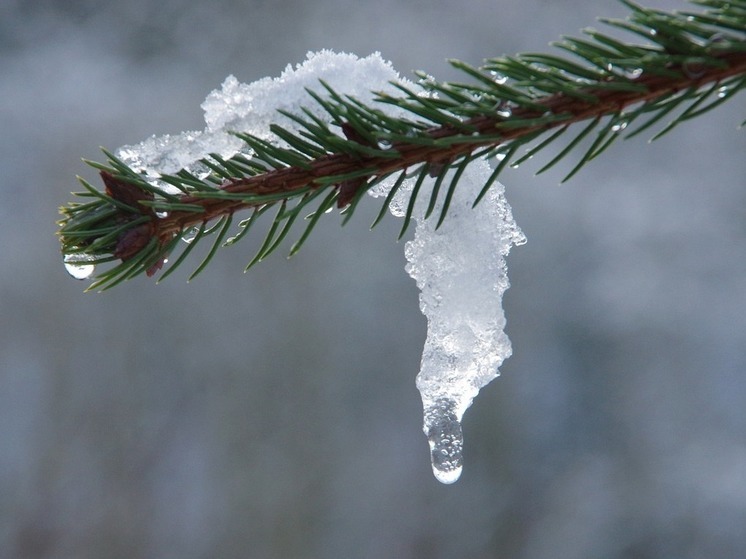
(461, 273)
(459, 267)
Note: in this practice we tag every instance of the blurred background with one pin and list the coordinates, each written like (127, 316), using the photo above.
(274, 414)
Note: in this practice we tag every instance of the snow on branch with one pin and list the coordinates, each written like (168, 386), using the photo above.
(336, 127)
(459, 267)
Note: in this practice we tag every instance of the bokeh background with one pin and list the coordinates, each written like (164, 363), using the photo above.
(274, 414)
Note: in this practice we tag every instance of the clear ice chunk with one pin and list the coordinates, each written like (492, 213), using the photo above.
(446, 439)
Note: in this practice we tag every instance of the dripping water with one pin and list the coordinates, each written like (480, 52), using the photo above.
(78, 265)
(446, 439)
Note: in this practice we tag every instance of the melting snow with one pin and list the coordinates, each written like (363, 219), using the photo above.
(459, 268)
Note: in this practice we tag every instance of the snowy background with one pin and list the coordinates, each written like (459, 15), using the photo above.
(274, 414)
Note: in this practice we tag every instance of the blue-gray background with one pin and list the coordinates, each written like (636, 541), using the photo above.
(274, 414)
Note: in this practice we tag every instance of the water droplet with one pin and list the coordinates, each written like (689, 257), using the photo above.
(632, 73)
(722, 92)
(79, 265)
(717, 38)
(504, 110)
(500, 153)
(189, 235)
(619, 126)
(161, 214)
(629, 73)
(498, 78)
(384, 144)
(519, 238)
(694, 69)
(446, 440)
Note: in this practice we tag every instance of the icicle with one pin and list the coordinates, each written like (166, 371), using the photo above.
(461, 272)
(459, 268)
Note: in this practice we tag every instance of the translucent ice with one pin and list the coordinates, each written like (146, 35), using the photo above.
(459, 268)
(461, 272)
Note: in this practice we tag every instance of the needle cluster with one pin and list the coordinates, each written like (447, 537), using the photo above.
(597, 90)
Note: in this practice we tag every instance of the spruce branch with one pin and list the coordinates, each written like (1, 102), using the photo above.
(690, 63)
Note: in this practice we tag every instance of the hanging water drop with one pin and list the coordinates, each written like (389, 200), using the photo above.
(619, 126)
(717, 39)
(384, 144)
(500, 153)
(722, 92)
(446, 440)
(504, 110)
(189, 235)
(632, 73)
(694, 69)
(78, 265)
(498, 78)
